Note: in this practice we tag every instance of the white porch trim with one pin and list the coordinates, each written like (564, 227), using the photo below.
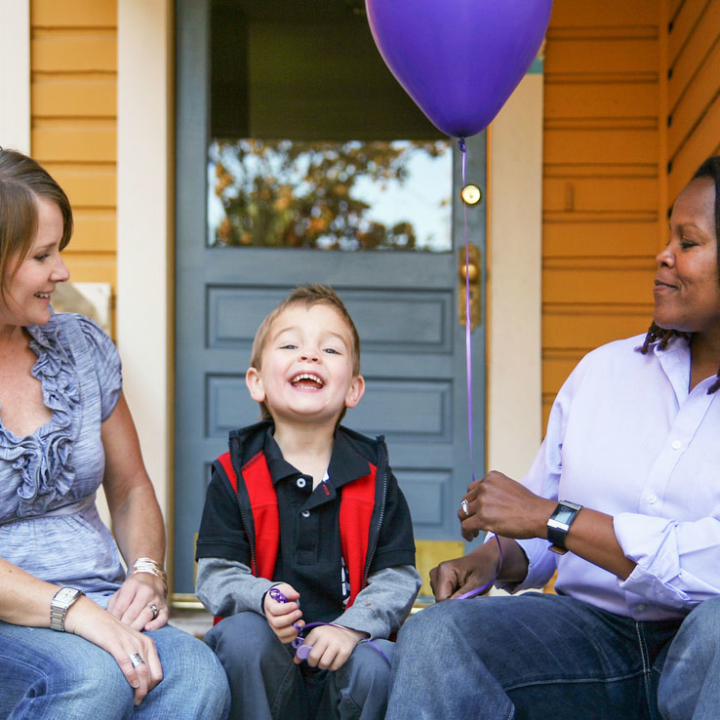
(515, 177)
(15, 76)
(145, 202)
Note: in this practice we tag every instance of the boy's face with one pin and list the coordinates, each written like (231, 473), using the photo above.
(307, 366)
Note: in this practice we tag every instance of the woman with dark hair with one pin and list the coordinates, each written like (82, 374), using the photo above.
(79, 637)
(623, 500)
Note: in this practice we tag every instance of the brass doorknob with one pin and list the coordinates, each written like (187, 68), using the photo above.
(472, 270)
(469, 267)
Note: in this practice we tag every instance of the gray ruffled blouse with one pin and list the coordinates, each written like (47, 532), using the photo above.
(49, 525)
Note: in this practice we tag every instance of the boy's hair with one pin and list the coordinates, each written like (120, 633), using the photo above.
(22, 182)
(309, 294)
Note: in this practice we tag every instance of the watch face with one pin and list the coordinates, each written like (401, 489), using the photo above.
(564, 515)
(64, 595)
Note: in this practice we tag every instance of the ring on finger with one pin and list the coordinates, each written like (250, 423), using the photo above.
(465, 505)
(136, 659)
(154, 609)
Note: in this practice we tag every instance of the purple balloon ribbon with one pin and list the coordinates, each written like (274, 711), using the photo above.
(468, 367)
(302, 651)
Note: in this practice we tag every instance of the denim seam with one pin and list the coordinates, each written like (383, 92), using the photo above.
(645, 661)
(282, 691)
(572, 681)
(357, 708)
(41, 677)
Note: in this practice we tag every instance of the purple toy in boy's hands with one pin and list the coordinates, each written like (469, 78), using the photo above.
(301, 650)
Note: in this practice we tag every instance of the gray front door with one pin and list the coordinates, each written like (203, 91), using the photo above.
(308, 71)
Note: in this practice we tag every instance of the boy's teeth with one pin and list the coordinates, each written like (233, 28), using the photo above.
(308, 377)
(42, 295)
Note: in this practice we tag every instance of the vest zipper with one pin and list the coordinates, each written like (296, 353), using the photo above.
(371, 553)
(243, 519)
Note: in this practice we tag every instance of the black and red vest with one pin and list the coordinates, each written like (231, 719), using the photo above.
(357, 501)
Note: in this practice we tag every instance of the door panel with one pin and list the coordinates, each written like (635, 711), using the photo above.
(405, 306)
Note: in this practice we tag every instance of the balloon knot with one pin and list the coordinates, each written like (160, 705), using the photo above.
(461, 145)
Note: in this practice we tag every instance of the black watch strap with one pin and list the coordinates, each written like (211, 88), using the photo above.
(559, 524)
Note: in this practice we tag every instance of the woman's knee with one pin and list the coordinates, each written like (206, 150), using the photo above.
(426, 627)
(190, 669)
(74, 679)
(704, 621)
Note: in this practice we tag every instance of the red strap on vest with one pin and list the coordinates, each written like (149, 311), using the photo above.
(356, 508)
(263, 502)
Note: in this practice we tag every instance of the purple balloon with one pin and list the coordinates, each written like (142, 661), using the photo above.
(459, 60)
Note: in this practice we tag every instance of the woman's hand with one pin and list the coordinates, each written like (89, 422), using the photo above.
(456, 577)
(136, 600)
(91, 622)
(282, 616)
(483, 565)
(331, 646)
(503, 506)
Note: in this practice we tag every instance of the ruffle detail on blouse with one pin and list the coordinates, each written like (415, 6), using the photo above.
(44, 459)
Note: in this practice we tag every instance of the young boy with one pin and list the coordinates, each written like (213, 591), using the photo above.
(308, 507)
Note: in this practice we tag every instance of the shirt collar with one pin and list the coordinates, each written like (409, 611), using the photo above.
(345, 463)
(675, 363)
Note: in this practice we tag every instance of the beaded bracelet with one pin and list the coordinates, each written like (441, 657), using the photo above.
(150, 566)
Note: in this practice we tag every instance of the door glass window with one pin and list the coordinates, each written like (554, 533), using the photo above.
(313, 144)
(353, 195)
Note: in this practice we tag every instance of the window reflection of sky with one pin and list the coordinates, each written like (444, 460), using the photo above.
(422, 198)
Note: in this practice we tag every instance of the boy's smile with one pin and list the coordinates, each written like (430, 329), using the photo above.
(306, 372)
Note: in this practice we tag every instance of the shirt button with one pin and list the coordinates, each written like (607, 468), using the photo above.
(305, 513)
(676, 444)
(640, 607)
(652, 498)
(301, 482)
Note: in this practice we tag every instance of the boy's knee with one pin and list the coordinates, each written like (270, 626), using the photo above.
(364, 679)
(240, 639)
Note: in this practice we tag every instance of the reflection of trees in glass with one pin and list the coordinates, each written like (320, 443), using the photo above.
(283, 193)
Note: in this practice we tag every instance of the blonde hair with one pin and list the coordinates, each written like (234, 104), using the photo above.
(309, 294)
(22, 182)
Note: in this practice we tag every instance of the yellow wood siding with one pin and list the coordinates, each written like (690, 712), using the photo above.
(74, 114)
(600, 187)
(693, 70)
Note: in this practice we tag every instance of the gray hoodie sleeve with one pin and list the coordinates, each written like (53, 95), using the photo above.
(381, 607)
(226, 587)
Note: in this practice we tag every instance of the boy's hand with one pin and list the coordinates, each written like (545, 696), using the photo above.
(332, 646)
(281, 616)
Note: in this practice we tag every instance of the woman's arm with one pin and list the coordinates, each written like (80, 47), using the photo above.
(25, 600)
(137, 522)
(507, 508)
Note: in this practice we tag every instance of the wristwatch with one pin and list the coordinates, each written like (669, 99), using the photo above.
(559, 523)
(63, 600)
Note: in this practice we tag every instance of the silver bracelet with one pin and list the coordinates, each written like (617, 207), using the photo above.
(150, 566)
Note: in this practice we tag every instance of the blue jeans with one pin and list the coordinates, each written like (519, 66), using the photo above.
(690, 683)
(533, 656)
(267, 685)
(59, 676)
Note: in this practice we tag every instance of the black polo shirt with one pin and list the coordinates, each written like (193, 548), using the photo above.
(310, 553)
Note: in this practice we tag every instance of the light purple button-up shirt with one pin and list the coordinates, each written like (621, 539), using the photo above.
(627, 438)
